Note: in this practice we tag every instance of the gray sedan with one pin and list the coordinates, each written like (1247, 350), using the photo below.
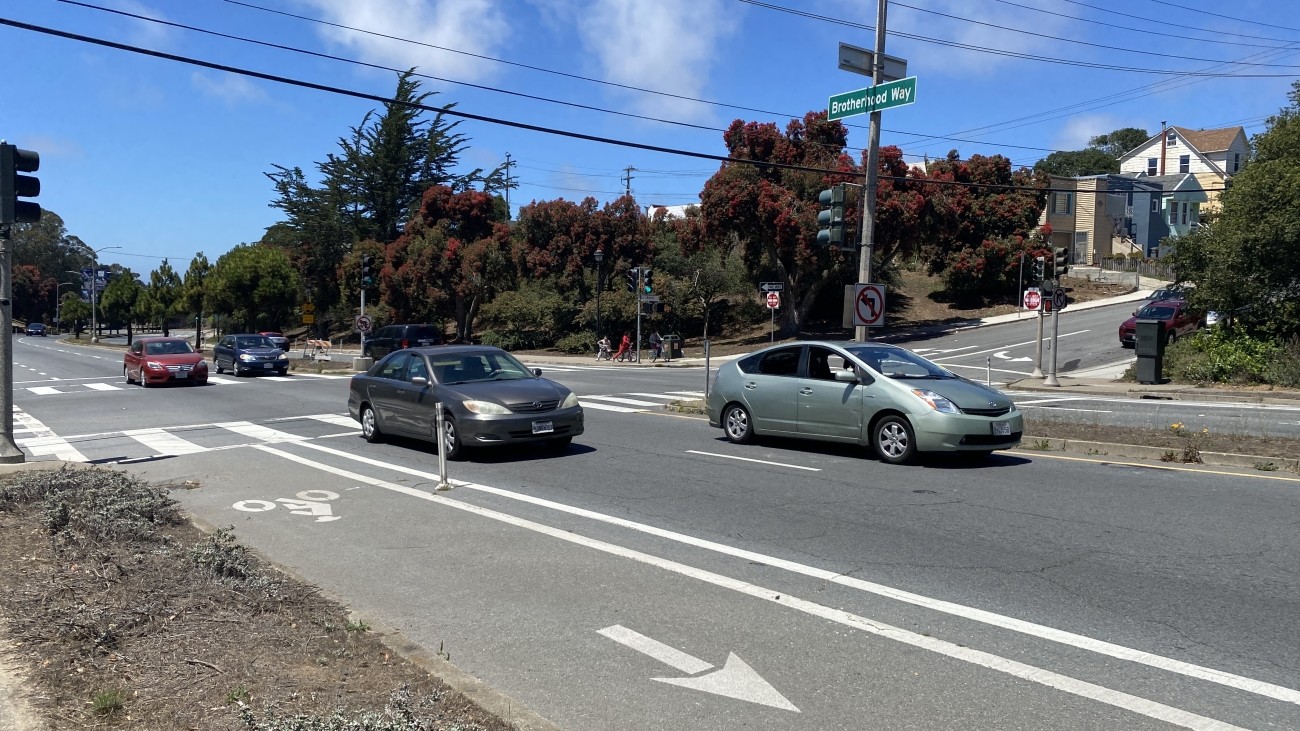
(488, 399)
(870, 394)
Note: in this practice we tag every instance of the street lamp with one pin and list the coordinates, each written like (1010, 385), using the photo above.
(57, 303)
(600, 256)
(94, 290)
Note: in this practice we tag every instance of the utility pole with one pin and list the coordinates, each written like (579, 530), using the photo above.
(508, 164)
(627, 179)
(873, 162)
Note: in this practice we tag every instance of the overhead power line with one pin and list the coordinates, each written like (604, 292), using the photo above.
(479, 117)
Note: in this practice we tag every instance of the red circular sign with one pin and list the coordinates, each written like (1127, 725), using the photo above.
(773, 300)
(1033, 299)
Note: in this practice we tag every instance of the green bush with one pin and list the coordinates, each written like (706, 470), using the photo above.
(1216, 355)
(579, 343)
(1284, 370)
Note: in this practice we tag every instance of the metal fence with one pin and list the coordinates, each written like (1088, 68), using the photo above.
(1152, 268)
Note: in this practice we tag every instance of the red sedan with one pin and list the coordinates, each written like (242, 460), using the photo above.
(1178, 319)
(155, 361)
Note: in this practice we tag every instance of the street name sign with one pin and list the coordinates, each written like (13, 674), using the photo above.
(873, 98)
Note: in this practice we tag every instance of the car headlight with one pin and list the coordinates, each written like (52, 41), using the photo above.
(936, 402)
(154, 365)
(246, 357)
(485, 407)
(283, 356)
(201, 365)
(569, 401)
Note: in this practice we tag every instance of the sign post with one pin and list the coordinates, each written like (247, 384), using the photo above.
(773, 302)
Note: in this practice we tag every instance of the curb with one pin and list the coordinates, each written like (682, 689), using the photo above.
(1134, 451)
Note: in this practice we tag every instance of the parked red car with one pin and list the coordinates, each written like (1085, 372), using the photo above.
(1178, 319)
(155, 361)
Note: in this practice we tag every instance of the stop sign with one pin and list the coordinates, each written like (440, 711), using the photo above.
(773, 300)
(1033, 298)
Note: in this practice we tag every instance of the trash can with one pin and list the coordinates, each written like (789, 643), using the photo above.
(1149, 344)
(672, 347)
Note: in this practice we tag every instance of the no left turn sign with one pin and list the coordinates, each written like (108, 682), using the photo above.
(869, 305)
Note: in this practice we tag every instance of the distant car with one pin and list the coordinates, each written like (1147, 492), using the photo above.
(1172, 292)
(156, 361)
(489, 399)
(277, 339)
(870, 394)
(1176, 314)
(395, 337)
(249, 353)
(36, 328)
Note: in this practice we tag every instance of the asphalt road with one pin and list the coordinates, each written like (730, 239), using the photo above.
(656, 576)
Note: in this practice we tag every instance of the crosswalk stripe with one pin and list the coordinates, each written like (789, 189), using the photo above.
(606, 407)
(299, 374)
(695, 394)
(224, 381)
(664, 396)
(164, 442)
(43, 390)
(335, 419)
(621, 400)
(103, 387)
(256, 431)
(45, 443)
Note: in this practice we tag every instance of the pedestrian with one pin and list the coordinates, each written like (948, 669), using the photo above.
(602, 348)
(624, 347)
(656, 346)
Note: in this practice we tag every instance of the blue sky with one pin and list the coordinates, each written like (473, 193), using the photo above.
(164, 159)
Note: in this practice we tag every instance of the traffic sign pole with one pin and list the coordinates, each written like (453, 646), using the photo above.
(773, 302)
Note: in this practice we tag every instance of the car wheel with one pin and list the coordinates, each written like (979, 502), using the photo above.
(559, 445)
(893, 439)
(283, 372)
(144, 382)
(451, 440)
(126, 373)
(220, 368)
(737, 425)
(370, 425)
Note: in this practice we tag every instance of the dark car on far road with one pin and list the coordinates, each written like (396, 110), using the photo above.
(489, 399)
(395, 337)
(36, 328)
(277, 339)
(249, 353)
(1178, 318)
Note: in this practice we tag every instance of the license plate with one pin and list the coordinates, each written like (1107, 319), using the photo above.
(1001, 428)
(267, 365)
(182, 374)
(543, 427)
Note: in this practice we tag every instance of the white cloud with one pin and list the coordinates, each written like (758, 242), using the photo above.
(229, 88)
(1074, 133)
(666, 45)
(472, 26)
(143, 32)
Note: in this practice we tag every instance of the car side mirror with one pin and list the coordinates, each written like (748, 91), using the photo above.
(537, 372)
(847, 376)
(419, 381)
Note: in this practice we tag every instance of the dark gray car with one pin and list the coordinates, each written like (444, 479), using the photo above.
(871, 394)
(488, 398)
(249, 353)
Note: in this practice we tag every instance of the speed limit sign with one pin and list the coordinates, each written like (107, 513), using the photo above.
(363, 324)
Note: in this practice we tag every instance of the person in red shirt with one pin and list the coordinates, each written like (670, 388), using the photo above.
(624, 347)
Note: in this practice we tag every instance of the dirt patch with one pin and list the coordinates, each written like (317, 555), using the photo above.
(124, 615)
(1284, 450)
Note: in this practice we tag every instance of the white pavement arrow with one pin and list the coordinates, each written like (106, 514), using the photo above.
(735, 680)
(1003, 355)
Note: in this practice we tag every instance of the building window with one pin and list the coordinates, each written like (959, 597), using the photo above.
(1184, 163)
(1171, 139)
(1060, 204)
(1236, 161)
(1151, 166)
(1155, 204)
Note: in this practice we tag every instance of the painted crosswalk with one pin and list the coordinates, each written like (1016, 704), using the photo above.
(58, 387)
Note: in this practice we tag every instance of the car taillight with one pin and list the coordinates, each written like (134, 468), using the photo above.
(406, 343)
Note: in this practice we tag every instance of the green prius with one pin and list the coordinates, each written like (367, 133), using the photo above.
(871, 394)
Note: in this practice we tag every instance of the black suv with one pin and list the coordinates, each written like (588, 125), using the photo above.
(396, 337)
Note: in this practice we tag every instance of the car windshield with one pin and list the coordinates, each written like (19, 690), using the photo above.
(253, 342)
(472, 367)
(168, 347)
(1152, 312)
(898, 363)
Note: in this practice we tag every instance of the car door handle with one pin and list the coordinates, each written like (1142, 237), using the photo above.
(401, 391)
(751, 386)
(805, 391)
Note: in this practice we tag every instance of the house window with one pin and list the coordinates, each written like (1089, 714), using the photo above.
(1155, 204)
(1236, 161)
(1151, 165)
(1060, 203)
(1171, 139)
(1184, 163)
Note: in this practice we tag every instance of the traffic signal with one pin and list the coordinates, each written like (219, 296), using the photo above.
(831, 219)
(367, 270)
(1039, 266)
(14, 186)
(633, 275)
(647, 281)
(1060, 262)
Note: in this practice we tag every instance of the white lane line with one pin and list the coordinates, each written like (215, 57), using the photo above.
(1071, 639)
(670, 656)
(758, 461)
(103, 387)
(256, 431)
(1004, 347)
(1081, 688)
(300, 374)
(45, 442)
(335, 419)
(164, 442)
(621, 400)
(608, 407)
(1064, 408)
(696, 394)
(1054, 400)
(664, 396)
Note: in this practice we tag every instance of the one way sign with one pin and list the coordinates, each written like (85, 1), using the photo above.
(771, 287)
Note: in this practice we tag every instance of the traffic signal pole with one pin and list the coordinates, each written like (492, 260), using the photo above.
(9, 451)
(873, 161)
